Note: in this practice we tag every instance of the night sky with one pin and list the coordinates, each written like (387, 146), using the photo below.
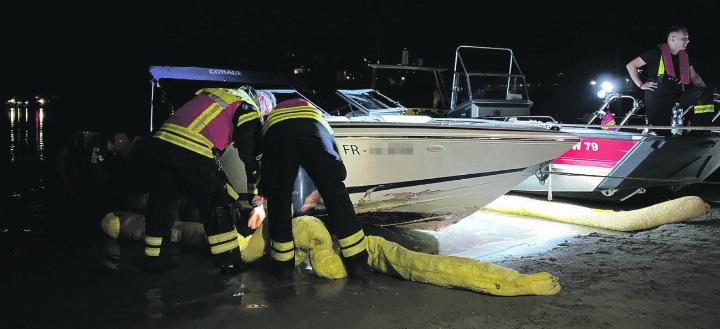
(68, 50)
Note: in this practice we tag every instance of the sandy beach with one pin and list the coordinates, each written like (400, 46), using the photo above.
(664, 277)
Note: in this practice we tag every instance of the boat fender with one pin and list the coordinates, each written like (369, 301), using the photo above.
(672, 211)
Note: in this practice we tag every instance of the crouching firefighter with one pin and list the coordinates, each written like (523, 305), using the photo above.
(296, 134)
(183, 158)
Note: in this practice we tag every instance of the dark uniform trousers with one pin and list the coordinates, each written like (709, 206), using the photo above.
(283, 153)
(176, 171)
(659, 103)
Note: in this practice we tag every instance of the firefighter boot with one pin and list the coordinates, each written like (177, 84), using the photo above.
(282, 270)
(162, 262)
(224, 245)
(357, 267)
(230, 263)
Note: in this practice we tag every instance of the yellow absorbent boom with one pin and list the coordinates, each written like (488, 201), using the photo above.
(676, 210)
(314, 244)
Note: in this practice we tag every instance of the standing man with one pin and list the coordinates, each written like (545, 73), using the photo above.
(183, 157)
(296, 134)
(669, 74)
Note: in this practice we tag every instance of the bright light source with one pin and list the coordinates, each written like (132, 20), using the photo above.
(41, 101)
(607, 86)
(12, 101)
(602, 93)
(402, 78)
(593, 82)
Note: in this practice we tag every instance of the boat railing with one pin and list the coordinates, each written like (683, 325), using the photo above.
(612, 97)
(473, 96)
(525, 118)
(676, 126)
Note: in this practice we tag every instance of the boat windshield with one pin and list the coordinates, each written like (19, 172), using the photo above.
(369, 102)
(285, 94)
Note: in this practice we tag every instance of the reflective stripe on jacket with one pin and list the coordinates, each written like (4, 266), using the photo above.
(295, 109)
(205, 122)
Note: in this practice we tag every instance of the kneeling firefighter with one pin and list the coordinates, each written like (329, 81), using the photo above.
(183, 158)
(296, 134)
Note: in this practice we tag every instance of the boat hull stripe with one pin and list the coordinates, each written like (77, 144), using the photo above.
(390, 186)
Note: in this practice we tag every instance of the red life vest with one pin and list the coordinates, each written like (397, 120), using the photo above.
(667, 67)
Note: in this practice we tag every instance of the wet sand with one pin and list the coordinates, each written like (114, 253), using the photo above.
(71, 276)
(665, 277)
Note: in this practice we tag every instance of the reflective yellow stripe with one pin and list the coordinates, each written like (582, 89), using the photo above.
(231, 191)
(298, 116)
(187, 133)
(286, 111)
(292, 109)
(349, 241)
(283, 246)
(278, 117)
(219, 249)
(184, 144)
(213, 239)
(152, 251)
(247, 117)
(303, 111)
(661, 67)
(153, 241)
(355, 250)
(710, 108)
(282, 256)
(207, 115)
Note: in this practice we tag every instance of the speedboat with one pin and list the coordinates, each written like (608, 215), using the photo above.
(416, 164)
(608, 163)
(406, 163)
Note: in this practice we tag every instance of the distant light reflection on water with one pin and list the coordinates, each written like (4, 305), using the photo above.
(26, 170)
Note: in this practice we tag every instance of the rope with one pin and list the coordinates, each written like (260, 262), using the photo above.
(630, 178)
(711, 128)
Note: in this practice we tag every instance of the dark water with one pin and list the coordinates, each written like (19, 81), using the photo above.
(25, 169)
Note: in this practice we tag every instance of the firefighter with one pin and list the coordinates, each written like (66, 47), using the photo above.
(296, 134)
(671, 78)
(183, 158)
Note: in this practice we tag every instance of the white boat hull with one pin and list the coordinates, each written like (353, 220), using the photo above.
(429, 168)
(437, 170)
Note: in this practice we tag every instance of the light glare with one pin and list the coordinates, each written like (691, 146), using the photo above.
(607, 86)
